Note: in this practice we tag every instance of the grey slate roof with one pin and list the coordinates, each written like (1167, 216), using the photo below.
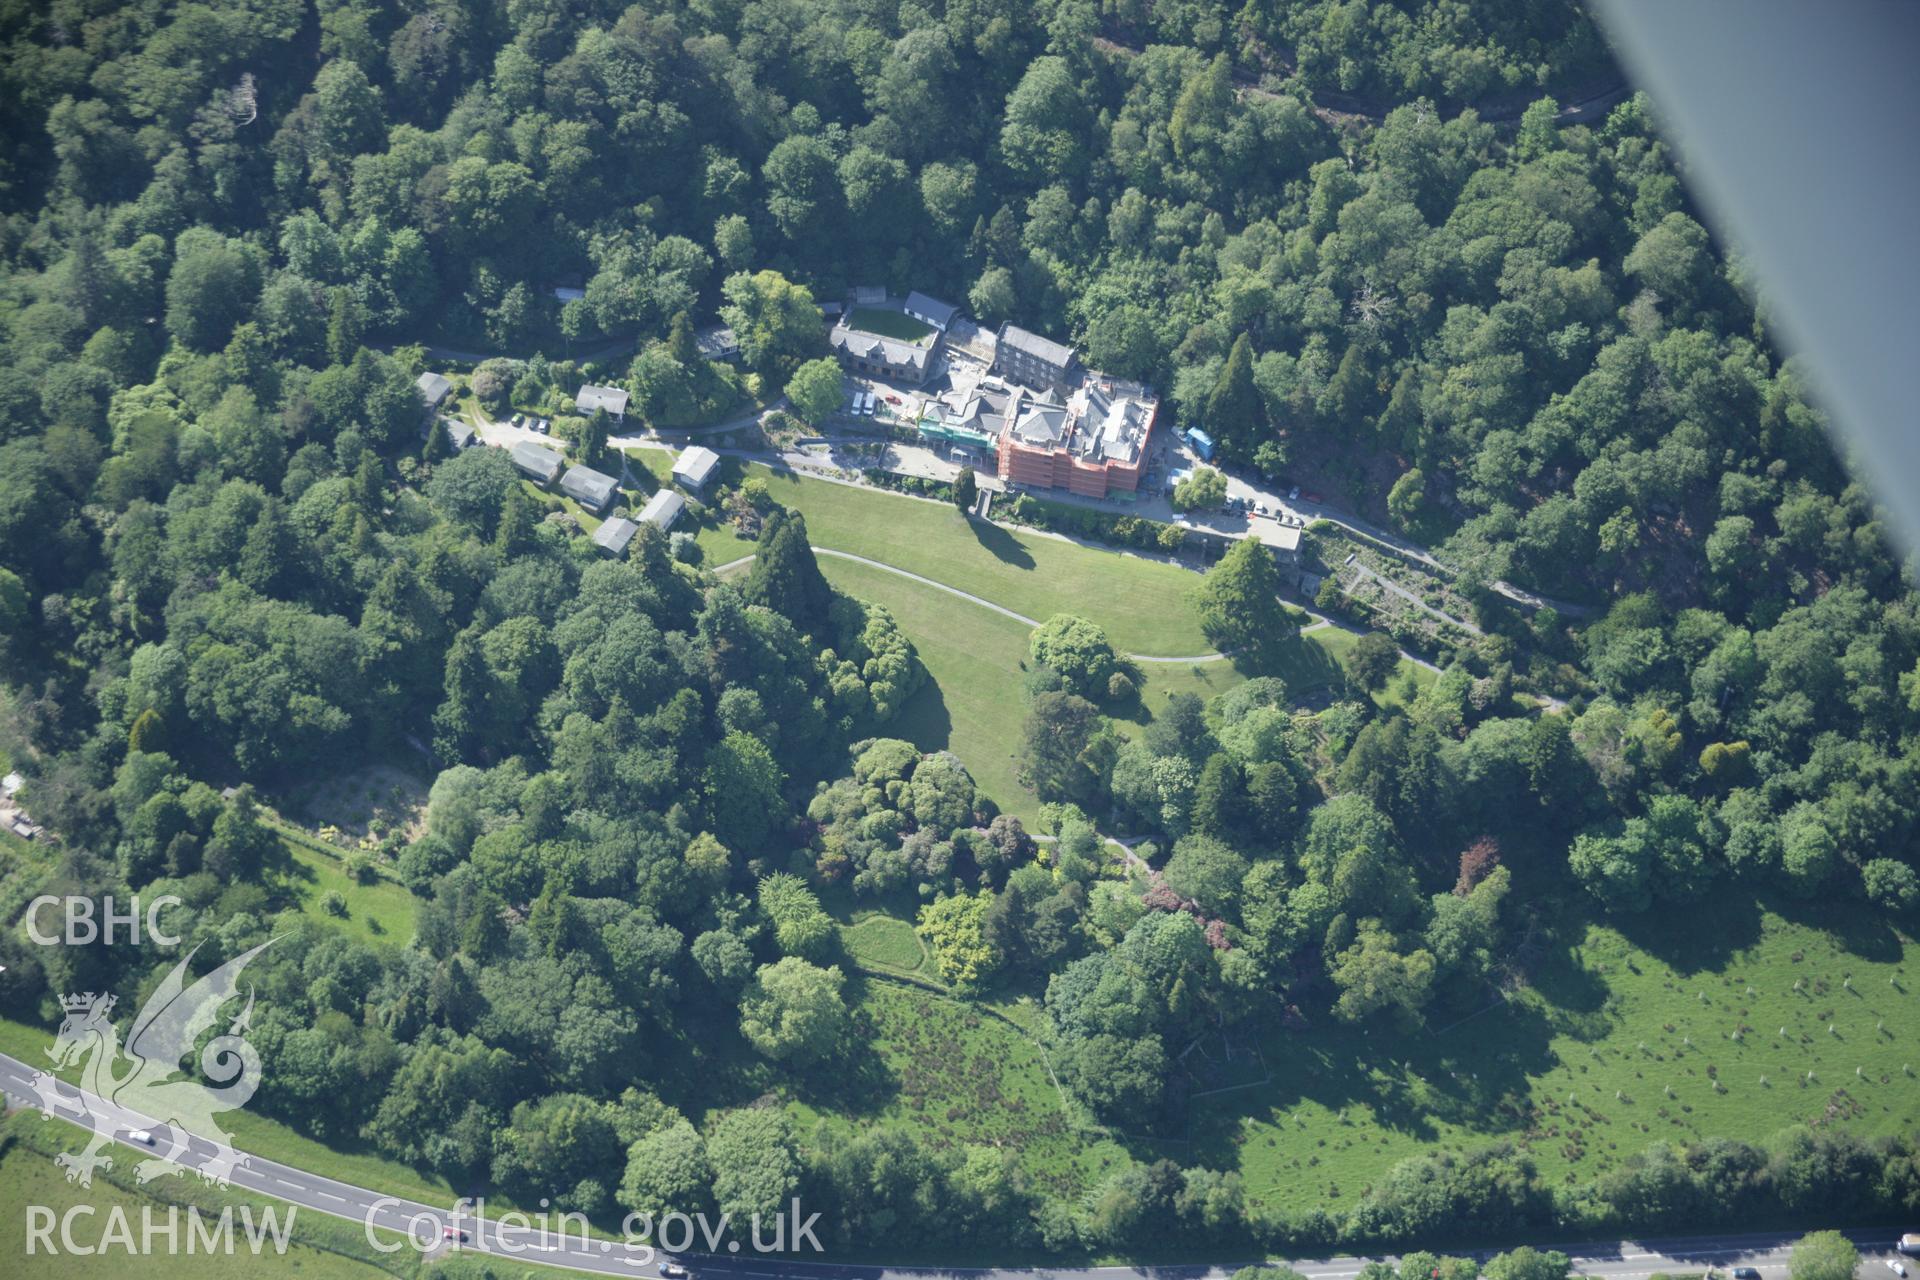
(871, 346)
(615, 534)
(594, 490)
(434, 387)
(1055, 353)
(460, 433)
(537, 461)
(935, 312)
(591, 397)
(662, 509)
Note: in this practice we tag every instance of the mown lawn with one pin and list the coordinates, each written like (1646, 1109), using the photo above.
(889, 324)
(972, 704)
(1143, 604)
(881, 941)
(1666, 1028)
(378, 911)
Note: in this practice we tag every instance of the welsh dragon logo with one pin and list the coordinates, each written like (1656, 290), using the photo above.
(145, 1077)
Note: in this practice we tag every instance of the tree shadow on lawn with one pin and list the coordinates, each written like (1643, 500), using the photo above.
(1696, 937)
(709, 1066)
(1476, 1075)
(924, 720)
(1864, 934)
(1003, 545)
(1299, 660)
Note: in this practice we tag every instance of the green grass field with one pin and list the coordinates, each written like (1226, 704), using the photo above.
(1143, 604)
(972, 704)
(889, 324)
(380, 911)
(885, 942)
(1667, 1031)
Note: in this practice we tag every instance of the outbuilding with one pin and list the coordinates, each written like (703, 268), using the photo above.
(662, 509)
(613, 400)
(537, 463)
(931, 310)
(434, 388)
(614, 535)
(695, 467)
(594, 490)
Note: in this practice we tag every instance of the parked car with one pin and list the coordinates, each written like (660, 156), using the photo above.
(1314, 497)
(1896, 1266)
(893, 399)
(1746, 1273)
(1293, 494)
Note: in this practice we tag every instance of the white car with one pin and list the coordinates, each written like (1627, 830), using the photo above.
(1896, 1266)
(673, 1271)
(142, 1136)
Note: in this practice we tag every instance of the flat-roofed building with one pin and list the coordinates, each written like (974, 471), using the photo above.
(1093, 443)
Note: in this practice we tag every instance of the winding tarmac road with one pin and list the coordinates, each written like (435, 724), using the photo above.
(1767, 1252)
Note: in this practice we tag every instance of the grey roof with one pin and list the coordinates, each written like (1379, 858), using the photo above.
(592, 489)
(868, 295)
(460, 433)
(591, 397)
(982, 407)
(695, 465)
(935, 312)
(717, 343)
(1054, 353)
(1113, 419)
(872, 346)
(434, 387)
(614, 535)
(541, 463)
(1040, 422)
(663, 508)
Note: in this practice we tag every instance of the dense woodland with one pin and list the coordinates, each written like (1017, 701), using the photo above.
(226, 557)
